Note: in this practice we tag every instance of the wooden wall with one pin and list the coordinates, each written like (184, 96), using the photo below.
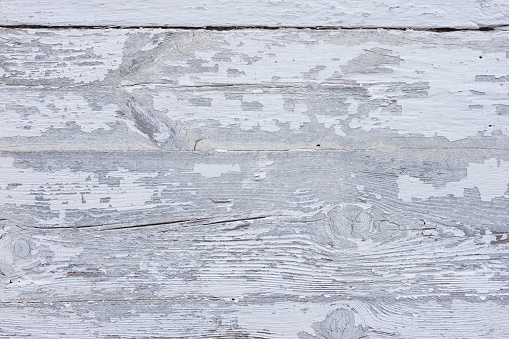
(264, 169)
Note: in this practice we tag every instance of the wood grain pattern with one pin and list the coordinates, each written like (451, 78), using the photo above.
(112, 90)
(226, 240)
(194, 13)
(235, 182)
(380, 318)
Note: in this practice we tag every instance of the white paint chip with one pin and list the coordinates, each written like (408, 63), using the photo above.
(215, 170)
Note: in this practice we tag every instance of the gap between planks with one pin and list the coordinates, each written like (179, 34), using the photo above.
(271, 28)
(248, 151)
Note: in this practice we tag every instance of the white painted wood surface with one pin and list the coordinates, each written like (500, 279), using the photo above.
(254, 183)
(293, 13)
(253, 90)
(256, 244)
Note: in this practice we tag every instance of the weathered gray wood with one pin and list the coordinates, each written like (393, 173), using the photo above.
(252, 90)
(196, 13)
(254, 183)
(380, 318)
(409, 243)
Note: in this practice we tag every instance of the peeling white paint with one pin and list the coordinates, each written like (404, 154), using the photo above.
(253, 111)
(490, 178)
(254, 88)
(454, 113)
(332, 121)
(62, 252)
(83, 190)
(31, 114)
(66, 54)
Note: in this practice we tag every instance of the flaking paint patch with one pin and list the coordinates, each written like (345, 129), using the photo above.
(332, 121)
(69, 54)
(40, 112)
(62, 252)
(430, 106)
(490, 178)
(409, 89)
(249, 111)
(122, 189)
(286, 82)
(271, 61)
(296, 318)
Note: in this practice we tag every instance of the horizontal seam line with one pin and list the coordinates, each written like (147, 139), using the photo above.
(201, 299)
(438, 29)
(214, 152)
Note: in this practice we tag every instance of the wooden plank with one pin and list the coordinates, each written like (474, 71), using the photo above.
(347, 318)
(194, 13)
(410, 243)
(248, 195)
(153, 89)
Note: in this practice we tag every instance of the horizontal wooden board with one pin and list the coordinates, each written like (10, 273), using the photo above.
(155, 89)
(410, 243)
(195, 13)
(304, 319)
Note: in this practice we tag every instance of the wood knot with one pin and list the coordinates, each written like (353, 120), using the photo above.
(338, 324)
(15, 254)
(21, 248)
(353, 223)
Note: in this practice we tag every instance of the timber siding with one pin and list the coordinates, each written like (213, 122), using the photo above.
(291, 169)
